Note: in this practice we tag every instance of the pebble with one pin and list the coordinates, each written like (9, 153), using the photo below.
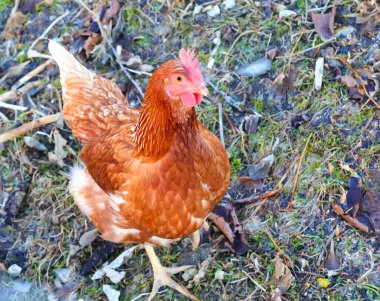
(22, 286)
(258, 67)
(63, 274)
(14, 270)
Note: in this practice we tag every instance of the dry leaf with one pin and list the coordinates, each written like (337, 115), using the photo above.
(87, 238)
(282, 276)
(260, 170)
(272, 53)
(111, 12)
(224, 217)
(349, 81)
(29, 6)
(332, 263)
(59, 153)
(285, 82)
(324, 24)
(250, 183)
(90, 43)
(249, 123)
(14, 26)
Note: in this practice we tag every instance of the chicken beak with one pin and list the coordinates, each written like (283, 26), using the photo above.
(202, 90)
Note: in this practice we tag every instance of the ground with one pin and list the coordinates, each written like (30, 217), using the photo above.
(316, 141)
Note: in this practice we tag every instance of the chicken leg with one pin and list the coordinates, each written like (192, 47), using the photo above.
(162, 275)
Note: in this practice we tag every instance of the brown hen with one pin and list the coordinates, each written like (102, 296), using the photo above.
(151, 175)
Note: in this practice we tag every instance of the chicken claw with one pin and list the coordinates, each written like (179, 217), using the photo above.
(162, 275)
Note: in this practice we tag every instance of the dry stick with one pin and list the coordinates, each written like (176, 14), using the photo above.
(32, 74)
(357, 75)
(353, 221)
(258, 197)
(30, 126)
(290, 206)
(31, 50)
(233, 44)
(104, 35)
(12, 94)
(307, 49)
(221, 132)
(12, 107)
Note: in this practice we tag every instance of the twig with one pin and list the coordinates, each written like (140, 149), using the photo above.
(31, 52)
(233, 44)
(104, 35)
(290, 206)
(30, 126)
(15, 7)
(258, 197)
(12, 107)
(353, 221)
(12, 94)
(254, 281)
(273, 242)
(357, 75)
(32, 74)
(221, 132)
(307, 49)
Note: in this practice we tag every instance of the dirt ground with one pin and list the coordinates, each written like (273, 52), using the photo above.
(290, 138)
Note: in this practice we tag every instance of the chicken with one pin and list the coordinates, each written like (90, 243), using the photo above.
(151, 175)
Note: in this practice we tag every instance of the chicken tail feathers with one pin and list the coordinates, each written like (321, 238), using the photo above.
(91, 102)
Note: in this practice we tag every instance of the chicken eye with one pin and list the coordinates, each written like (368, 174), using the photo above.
(179, 79)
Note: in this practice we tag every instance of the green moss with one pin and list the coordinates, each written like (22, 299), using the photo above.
(259, 105)
(301, 4)
(22, 58)
(4, 4)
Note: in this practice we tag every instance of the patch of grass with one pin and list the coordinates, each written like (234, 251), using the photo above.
(4, 4)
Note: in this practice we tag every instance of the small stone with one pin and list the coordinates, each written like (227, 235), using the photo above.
(214, 11)
(189, 274)
(63, 274)
(228, 4)
(111, 293)
(286, 13)
(258, 67)
(14, 270)
(22, 286)
(219, 275)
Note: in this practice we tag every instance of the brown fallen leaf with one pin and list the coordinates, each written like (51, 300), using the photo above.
(285, 82)
(324, 24)
(349, 81)
(249, 123)
(272, 53)
(29, 6)
(250, 183)
(90, 43)
(282, 277)
(332, 263)
(111, 12)
(14, 26)
(224, 217)
(353, 221)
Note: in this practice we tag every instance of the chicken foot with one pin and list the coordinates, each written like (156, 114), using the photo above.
(162, 275)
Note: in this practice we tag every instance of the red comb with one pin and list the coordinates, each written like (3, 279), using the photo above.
(191, 65)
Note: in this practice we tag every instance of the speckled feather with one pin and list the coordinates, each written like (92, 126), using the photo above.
(152, 175)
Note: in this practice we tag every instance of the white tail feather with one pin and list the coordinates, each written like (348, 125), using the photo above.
(68, 65)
